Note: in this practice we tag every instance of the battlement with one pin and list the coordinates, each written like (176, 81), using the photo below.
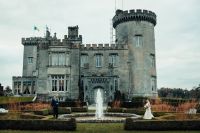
(39, 40)
(33, 40)
(134, 15)
(101, 46)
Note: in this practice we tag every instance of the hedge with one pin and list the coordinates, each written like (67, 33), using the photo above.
(174, 101)
(72, 103)
(31, 116)
(79, 109)
(134, 111)
(41, 112)
(61, 110)
(38, 124)
(116, 110)
(7, 100)
(138, 102)
(131, 124)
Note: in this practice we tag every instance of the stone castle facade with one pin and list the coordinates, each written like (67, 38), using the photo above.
(71, 70)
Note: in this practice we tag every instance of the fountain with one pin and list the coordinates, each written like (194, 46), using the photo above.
(99, 105)
(98, 116)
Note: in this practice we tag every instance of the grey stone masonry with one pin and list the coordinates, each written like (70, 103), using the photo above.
(136, 29)
(72, 70)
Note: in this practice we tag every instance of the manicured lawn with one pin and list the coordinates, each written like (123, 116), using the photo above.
(98, 128)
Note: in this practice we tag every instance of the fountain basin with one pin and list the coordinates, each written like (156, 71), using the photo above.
(107, 118)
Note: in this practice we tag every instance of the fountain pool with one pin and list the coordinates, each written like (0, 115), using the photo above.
(91, 117)
(99, 115)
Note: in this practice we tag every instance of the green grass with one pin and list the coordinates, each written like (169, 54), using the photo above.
(97, 128)
(7, 100)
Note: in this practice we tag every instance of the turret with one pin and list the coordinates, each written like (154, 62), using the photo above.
(135, 28)
(73, 36)
(73, 31)
(134, 15)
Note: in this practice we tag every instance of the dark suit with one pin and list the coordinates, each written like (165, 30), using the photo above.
(54, 104)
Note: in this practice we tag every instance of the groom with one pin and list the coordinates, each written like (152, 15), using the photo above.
(54, 104)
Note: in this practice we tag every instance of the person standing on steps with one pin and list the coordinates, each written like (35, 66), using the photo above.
(54, 104)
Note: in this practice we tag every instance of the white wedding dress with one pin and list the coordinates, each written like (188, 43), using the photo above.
(148, 115)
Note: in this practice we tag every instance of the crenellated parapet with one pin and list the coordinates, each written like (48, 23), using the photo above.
(71, 39)
(102, 47)
(40, 40)
(34, 41)
(56, 42)
(134, 15)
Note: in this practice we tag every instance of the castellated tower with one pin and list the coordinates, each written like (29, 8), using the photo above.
(135, 28)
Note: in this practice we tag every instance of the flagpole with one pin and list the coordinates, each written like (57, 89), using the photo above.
(34, 31)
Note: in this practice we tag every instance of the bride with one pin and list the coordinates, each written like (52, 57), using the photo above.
(148, 114)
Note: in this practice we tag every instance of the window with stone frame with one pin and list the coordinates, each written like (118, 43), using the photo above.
(57, 82)
(152, 60)
(61, 84)
(84, 60)
(98, 60)
(153, 83)
(26, 87)
(54, 61)
(30, 60)
(113, 59)
(58, 59)
(54, 84)
(138, 40)
(61, 59)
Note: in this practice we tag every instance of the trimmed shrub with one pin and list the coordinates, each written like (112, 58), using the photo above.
(116, 110)
(38, 124)
(31, 116)
(79, 109)
(64, 110)
(61, 110)
(138, 102)
(128, 104)
(134, 111)
(158, 114)
(42, 112)
(131, 124)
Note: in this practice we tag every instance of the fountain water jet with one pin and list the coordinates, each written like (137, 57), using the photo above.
(99, 105)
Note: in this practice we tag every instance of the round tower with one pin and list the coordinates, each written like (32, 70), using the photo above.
(135, 28)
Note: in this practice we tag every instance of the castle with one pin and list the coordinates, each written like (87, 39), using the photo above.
(71, 70)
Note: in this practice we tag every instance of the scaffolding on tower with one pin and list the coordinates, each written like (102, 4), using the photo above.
(112, 33)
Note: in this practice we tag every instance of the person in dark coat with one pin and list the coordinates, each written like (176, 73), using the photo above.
(54, 104)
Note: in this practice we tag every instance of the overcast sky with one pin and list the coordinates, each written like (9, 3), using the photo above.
(177, 32)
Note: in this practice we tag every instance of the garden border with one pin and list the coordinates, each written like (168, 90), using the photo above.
(131, 124)
(38, 124)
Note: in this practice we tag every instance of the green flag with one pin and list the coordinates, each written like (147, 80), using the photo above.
(36, 28)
